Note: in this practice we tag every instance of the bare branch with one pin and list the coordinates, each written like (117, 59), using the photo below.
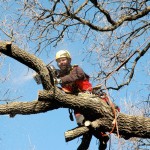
(141, 53)
(105, 12)
(116, 25)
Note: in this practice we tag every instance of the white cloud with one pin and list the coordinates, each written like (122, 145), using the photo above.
(23, 78)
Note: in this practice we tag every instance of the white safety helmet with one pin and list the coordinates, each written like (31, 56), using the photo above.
(62, 53)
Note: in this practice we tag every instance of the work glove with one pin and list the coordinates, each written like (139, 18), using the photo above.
(57, 81)
(37, 78)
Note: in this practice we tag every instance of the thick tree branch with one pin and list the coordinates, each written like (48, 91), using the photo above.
(27, 108)
(90, 105)
(115, 24)
(93, 108)
(27, 59)
(129, 126)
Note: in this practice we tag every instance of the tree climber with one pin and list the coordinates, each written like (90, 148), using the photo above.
(74, 80)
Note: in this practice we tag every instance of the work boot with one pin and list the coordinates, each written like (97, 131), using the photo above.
(103, 142)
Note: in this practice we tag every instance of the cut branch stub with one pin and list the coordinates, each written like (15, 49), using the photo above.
(74, 133)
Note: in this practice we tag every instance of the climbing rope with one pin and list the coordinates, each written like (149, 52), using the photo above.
(116, 114)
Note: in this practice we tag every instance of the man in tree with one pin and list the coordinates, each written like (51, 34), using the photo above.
(74, 80)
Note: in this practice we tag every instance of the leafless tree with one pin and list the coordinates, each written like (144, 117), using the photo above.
(115, 33)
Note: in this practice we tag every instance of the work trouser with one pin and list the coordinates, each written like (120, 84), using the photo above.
(79, 118)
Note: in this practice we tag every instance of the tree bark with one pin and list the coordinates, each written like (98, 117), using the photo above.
(91, 106)
(129, 126)
(29, 60)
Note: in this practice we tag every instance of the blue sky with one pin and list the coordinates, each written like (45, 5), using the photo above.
(45, 131)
